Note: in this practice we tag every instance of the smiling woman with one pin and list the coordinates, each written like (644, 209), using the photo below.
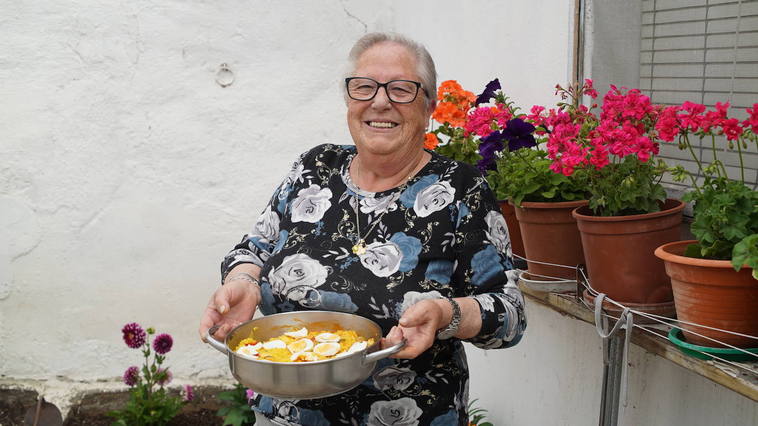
(389, 231)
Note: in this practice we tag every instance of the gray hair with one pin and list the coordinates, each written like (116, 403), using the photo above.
(425, 64)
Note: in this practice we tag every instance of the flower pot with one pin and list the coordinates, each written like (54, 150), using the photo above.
(514, 232)
(550, 235)
(711, 293)
(619, 253)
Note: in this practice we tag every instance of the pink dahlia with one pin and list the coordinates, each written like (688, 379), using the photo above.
(131, 376)
(134, 335)
(188, 394)
(162, 343)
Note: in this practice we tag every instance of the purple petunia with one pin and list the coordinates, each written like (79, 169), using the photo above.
(488, 93)
(162, 343)
(134, 335)
(188, 394)
(488, 148)
(131, 376)
(519, 134)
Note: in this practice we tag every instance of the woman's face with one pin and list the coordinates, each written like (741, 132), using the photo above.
(379, 126)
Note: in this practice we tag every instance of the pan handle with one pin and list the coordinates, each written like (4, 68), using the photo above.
(213, 342)
(384, 353)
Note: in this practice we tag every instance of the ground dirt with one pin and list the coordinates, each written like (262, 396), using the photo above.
(91, 409)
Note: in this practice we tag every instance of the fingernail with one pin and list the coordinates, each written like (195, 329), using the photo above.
(222, 309)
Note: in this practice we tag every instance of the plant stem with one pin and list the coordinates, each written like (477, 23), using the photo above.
(718, 163)
(694, 156)
(742, 165)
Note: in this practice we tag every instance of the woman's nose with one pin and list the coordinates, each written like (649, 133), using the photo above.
(381, 100)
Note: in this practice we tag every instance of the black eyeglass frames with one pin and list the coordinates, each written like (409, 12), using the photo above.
(398, 91)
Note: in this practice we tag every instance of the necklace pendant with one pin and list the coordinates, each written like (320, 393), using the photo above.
(359, 248)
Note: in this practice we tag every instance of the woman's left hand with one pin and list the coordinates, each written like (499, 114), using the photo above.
(418, 325)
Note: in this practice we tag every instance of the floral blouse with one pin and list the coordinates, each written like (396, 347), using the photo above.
(439, 234)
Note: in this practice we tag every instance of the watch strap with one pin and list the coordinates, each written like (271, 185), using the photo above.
(455, 321)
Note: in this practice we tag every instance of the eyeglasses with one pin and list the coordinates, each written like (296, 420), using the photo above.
(398, 91)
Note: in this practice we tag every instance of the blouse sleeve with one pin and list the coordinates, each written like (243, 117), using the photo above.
(257, 246)
(485, 267)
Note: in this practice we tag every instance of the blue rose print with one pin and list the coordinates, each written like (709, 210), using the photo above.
(282, 194)
(341, 302)
(312, 417)
(265, 405)
(409, 195)
(463, 211)
(281, 241)
(439, 270)
(486, 265)
(267, 299)
(259, 243)
(449, 418)
(410, 247)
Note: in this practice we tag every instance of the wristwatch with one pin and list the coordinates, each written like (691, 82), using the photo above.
(451, 328)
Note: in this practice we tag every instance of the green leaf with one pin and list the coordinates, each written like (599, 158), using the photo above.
(234, 418)
(746, 253)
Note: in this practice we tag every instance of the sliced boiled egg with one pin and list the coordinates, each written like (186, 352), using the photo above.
(297, 333)
(326, 349)
(327, 337)
(304, 356)
(248, 351)
(301, 345)
(356, 347)
(274, 344)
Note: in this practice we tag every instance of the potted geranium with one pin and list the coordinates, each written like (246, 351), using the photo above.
(514, 157)
(628, 215)
(715, 277)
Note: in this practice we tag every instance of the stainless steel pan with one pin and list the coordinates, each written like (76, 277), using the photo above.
(303, 380)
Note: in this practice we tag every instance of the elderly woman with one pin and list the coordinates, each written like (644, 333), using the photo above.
(390, 231)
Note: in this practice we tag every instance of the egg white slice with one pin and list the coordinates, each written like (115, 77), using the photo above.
(356, 347)
(274, 344)
(301, 345)
(304, 356)
(326, 349)
(297, 333)
(248, 351)
(327, 337)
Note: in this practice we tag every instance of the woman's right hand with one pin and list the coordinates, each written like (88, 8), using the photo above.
(230, 305)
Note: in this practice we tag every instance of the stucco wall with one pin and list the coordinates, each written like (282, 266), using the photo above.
(127, 171)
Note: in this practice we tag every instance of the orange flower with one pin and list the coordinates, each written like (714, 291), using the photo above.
(448, 112)
(451, 91)
(431, 141)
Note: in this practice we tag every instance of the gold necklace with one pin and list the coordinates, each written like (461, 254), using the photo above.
(359, 247)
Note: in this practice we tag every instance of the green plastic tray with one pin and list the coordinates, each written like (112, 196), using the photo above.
(675, 336)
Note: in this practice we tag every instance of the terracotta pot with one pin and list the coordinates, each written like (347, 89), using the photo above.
(550, 235)
(517, 245)
(711, 293)
(619, 252)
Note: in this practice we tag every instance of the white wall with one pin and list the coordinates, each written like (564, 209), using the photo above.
(127, 172)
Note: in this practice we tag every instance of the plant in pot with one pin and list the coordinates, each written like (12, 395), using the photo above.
(628, 215)
(714, 277)
(464, 122)
(518, 169)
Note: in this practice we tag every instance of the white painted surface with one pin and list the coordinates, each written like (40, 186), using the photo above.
(127, 172)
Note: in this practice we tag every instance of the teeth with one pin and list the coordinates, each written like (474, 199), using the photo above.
(382, 124)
